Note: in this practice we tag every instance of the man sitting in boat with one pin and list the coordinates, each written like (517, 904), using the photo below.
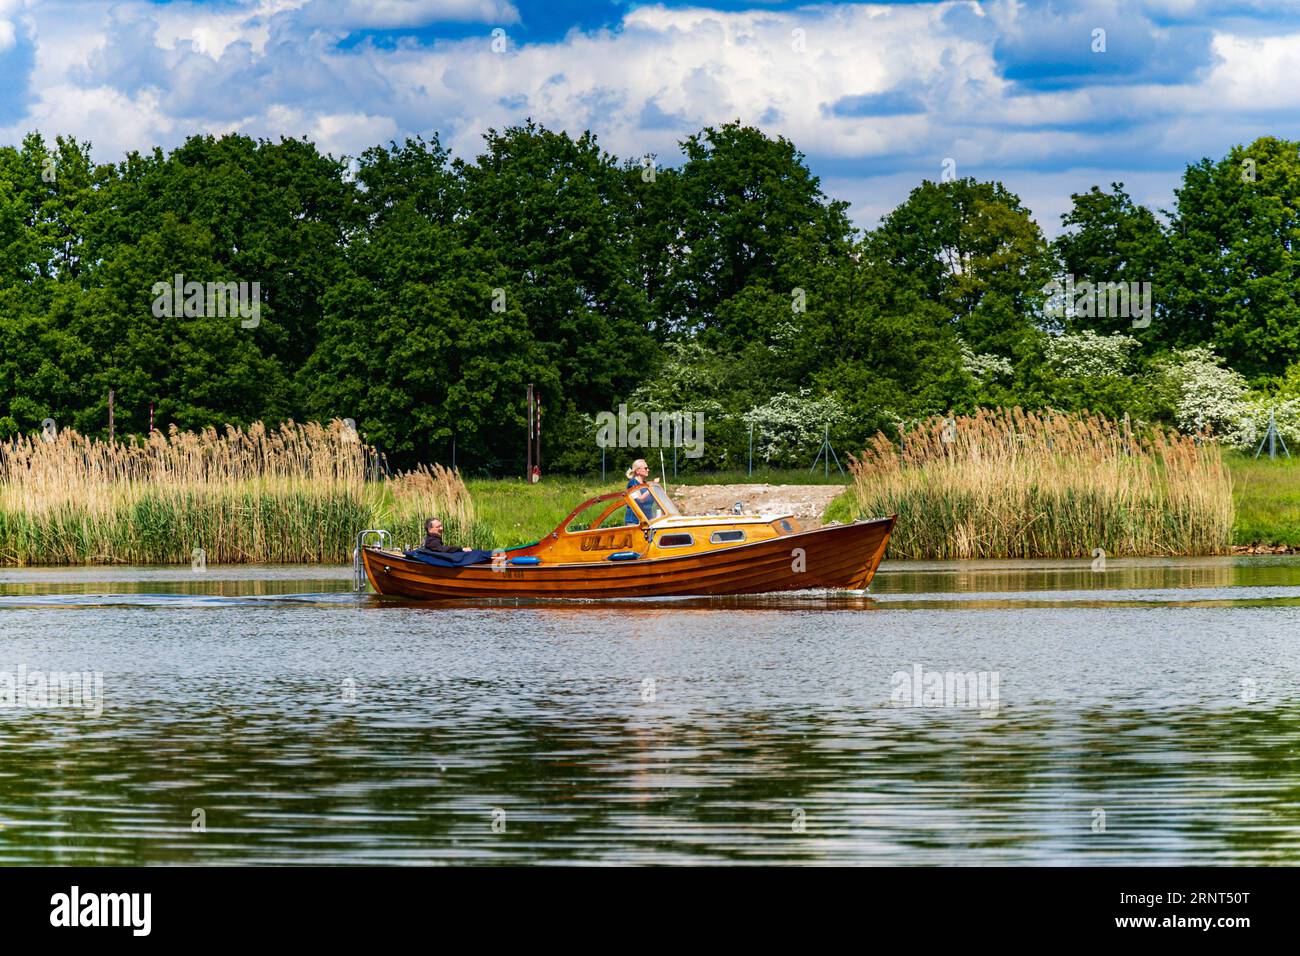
(433, 551)
(637, 475)
(433, 538)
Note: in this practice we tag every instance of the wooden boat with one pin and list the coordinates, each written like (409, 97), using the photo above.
(636, 543)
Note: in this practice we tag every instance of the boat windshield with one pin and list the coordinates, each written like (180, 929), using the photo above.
(666, 504)
(652, 501)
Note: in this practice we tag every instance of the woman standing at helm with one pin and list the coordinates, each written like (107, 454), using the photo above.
(639, 474)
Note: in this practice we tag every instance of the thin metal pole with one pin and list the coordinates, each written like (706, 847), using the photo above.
(1271, 437)
(837, 459)
(676, 433)
(751, 449)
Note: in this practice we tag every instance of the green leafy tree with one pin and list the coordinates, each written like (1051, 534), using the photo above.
(889, 352)
(976, 252)
(278, 214)
(1109, 238)
(749, 213)
(1233, 278)
(412, 346)
(553, 216)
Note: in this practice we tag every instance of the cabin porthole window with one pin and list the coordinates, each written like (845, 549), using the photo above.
(676, 540)
(724, 537)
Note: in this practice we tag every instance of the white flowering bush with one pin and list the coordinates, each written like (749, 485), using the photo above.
(1207, 395)
(985, 366)
(789, 428)
(1088, 354)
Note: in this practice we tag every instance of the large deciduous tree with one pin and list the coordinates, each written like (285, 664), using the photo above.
(1233, 277)
(1110, 239)
(747, 213)
(553, 215)
(975, 251)
(415, 345)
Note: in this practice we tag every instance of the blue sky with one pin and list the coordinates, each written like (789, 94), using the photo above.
(1049, 97)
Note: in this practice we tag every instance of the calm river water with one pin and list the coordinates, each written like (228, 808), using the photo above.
(964, 713)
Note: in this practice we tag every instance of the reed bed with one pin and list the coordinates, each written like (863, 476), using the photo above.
(294, 494)
(1013, 484)
(433, 491)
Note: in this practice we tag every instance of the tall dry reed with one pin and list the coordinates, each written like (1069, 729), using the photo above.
(1008, 483)
(294, 494)
(434, 491)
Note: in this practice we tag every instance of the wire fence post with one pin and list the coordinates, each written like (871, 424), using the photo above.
(1272, 436)
(825, 452)
(675, 427)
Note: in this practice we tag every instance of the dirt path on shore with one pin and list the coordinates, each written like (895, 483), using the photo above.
(805, 502)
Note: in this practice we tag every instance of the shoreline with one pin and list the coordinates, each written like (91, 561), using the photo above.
(503, 512)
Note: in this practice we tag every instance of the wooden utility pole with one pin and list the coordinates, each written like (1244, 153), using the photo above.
(528, 466)
(533, 466)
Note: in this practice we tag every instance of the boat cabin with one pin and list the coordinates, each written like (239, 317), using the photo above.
(644, 522)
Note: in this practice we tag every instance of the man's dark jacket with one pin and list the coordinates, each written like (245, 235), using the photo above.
(433, 542)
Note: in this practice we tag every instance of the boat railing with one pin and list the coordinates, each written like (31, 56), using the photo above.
(384, 540)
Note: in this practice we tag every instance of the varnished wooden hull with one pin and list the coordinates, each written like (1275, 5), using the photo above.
(839, 556)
